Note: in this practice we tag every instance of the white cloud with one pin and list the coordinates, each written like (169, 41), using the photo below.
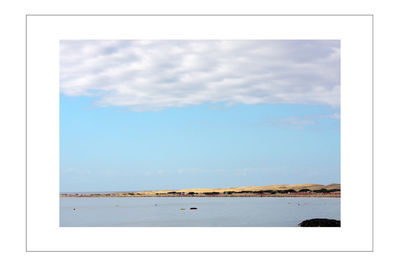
(335, 115)
(153, 75)
(292, 122)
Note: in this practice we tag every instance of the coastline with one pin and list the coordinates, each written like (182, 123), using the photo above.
(302, 190)
(253, 195)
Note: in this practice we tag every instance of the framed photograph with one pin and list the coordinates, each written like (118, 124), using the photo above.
(176, 130)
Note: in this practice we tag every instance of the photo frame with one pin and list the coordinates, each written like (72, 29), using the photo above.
(43, 35)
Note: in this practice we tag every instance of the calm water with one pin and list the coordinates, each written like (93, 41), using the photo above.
(224, 211)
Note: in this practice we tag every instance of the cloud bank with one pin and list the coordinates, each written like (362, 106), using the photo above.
(154, 75)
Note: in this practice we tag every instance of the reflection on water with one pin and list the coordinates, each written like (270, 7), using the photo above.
(211, 212)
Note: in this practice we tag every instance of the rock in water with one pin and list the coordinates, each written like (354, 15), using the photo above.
(320, 223)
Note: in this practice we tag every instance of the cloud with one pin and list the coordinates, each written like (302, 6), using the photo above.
(335, 116)
(154, 75)
(292, 122)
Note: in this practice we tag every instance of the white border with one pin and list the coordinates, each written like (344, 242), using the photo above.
(43, 231)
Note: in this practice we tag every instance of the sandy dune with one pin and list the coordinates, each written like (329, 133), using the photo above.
(296, 187)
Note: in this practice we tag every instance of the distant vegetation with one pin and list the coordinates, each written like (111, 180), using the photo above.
(322, 190)
(311, 190)
(211, 193)
(333, 190)
(305, 190)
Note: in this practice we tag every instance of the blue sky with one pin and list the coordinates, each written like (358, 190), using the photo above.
(147, 115)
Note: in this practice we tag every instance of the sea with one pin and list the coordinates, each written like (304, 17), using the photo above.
(194, 211)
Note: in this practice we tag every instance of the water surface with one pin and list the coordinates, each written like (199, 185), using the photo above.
(210, 212)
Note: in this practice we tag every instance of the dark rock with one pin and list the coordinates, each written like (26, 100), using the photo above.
(320, 223)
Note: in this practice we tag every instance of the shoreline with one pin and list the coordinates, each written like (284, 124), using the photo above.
(302, 190)
(271, 196)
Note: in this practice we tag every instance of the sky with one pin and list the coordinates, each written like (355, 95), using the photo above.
(173, 114)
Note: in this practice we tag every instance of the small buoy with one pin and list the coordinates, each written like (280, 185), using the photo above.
(193, 208)
(73, 208)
